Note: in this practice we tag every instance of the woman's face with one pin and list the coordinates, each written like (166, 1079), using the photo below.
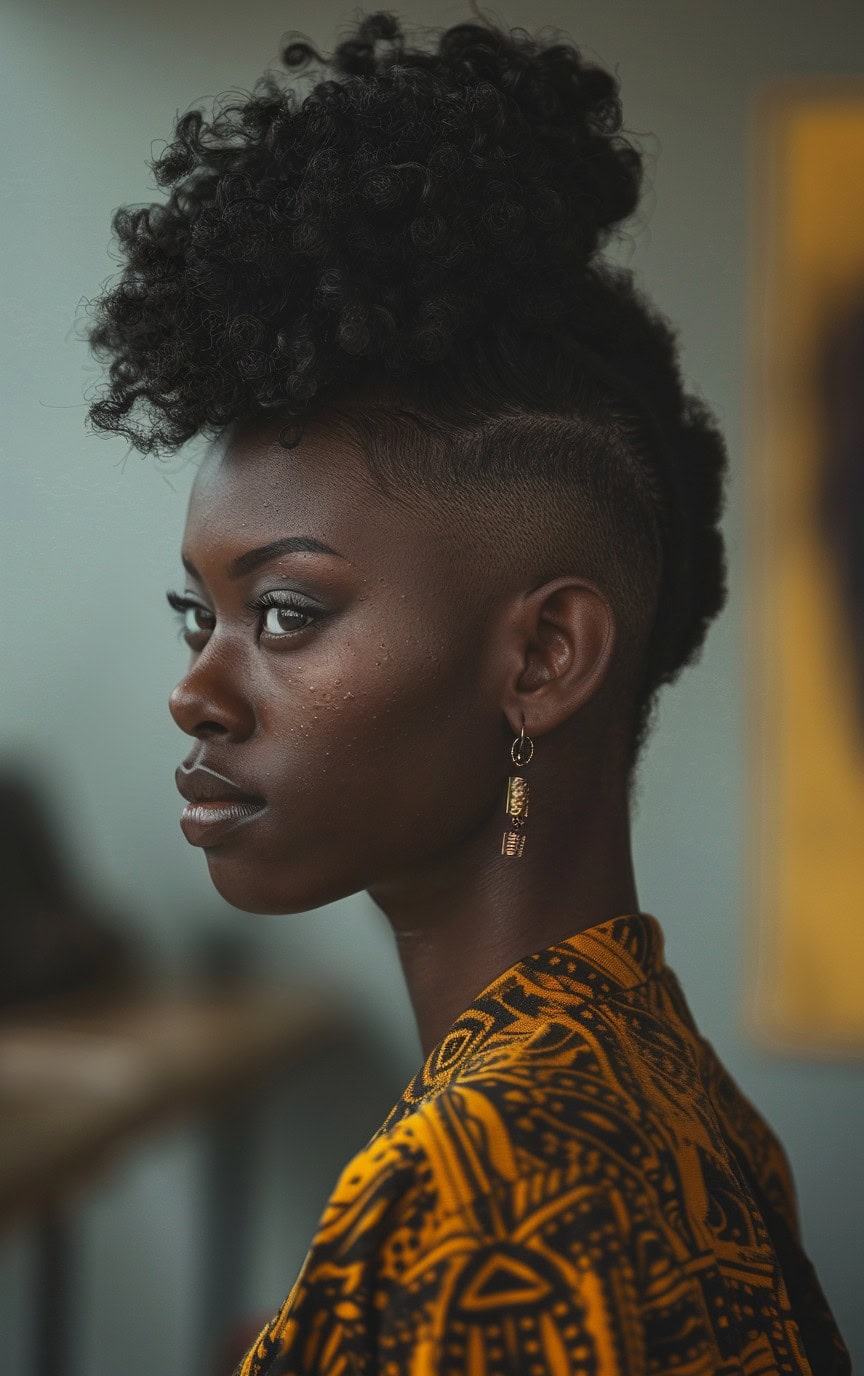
(340, 688)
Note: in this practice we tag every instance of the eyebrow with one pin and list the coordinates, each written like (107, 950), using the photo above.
(264, 554)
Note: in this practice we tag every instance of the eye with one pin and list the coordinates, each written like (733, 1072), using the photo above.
(196, 620)
(285, 615)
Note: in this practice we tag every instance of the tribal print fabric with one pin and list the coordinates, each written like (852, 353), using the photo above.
(571, 1185)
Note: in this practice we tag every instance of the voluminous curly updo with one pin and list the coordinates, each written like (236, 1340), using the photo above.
(423, 229)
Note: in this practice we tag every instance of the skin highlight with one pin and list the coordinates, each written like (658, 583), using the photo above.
(377, 721)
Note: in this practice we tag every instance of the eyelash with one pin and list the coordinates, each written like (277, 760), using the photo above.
(284, 601)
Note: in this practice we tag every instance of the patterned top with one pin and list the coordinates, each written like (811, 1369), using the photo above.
(572, 1185)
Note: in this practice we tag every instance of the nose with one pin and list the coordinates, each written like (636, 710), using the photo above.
(207, 702)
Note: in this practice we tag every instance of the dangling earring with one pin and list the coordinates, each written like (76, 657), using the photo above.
(513, 840)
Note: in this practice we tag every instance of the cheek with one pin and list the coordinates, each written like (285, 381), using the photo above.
(339, 735)
(370, 760)
(400, 735)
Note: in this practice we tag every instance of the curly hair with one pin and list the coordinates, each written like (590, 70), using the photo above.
(424, 229)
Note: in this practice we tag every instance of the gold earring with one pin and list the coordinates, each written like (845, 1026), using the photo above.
(513, 840)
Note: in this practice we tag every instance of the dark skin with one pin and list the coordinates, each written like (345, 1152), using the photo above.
(379, 732)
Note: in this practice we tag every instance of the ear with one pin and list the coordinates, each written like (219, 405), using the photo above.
(563, 640)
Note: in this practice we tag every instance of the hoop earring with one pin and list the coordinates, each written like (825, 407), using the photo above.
(513, 840)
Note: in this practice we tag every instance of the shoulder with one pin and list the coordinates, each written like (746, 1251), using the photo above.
(434, 1229)
(541, 1112)
(500, 1146)
(591, 1131)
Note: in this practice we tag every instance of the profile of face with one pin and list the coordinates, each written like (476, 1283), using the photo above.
(345, 725)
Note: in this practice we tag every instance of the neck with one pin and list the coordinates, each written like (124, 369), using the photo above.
(474, 912)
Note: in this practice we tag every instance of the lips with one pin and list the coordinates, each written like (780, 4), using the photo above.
(215, 805)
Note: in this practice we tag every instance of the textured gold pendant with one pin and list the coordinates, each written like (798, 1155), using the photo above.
(513, 840)
(517, 796)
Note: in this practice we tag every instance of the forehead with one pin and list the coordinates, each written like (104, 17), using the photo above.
(251, 490)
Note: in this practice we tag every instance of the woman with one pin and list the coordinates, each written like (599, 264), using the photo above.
(457, 524)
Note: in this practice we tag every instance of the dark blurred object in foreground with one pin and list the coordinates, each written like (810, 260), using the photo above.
(53, 941)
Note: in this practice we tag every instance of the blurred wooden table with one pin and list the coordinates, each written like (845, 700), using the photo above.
(85, 1079)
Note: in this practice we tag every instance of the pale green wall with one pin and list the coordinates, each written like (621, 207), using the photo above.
(89, 542)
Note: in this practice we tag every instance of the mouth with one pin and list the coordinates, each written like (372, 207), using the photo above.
(206, 823)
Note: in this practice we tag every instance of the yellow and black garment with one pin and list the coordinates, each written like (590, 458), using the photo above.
(572, 1185)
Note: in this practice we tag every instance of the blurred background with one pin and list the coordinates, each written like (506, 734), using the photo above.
(130, 1265)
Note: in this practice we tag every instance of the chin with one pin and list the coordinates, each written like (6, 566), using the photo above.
(253, 890)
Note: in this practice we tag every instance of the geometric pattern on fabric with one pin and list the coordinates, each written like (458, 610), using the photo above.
(571, 1185)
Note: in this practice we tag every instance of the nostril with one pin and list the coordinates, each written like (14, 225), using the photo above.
(205, 706)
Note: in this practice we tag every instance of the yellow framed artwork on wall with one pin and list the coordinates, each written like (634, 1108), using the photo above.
(805, 976)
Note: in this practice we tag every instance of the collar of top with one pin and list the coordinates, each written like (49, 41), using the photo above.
(591, 965)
